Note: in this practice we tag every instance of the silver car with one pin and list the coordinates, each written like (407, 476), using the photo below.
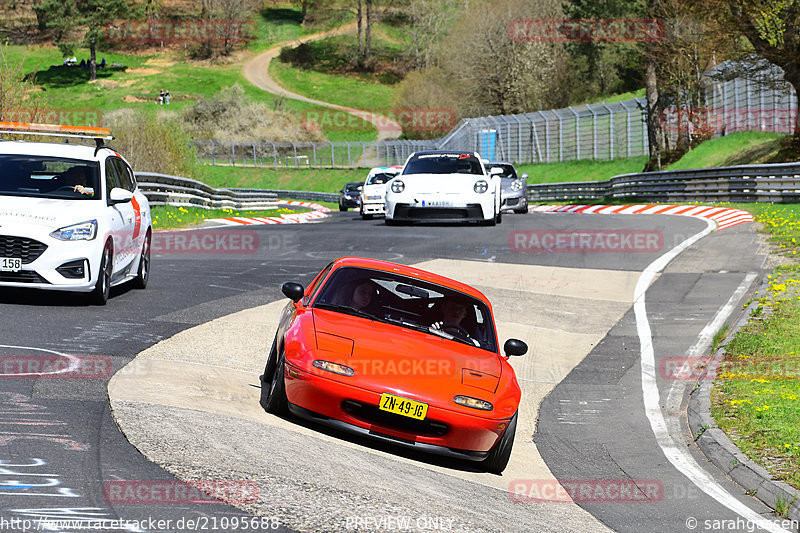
(514, 188)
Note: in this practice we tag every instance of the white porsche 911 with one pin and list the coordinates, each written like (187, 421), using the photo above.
(71, 216)
(443, 186)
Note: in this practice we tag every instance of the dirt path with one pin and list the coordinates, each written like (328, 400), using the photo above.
(256, 70)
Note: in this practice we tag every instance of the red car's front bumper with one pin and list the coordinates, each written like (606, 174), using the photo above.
(354, 409)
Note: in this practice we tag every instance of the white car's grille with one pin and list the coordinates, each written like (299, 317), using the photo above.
(26, 249)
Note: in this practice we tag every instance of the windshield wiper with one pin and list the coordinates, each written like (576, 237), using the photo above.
(449, 336)
(411, 325)
(347, 309)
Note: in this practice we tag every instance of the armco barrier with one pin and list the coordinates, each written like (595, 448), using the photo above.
(163, 189)
(779, 183)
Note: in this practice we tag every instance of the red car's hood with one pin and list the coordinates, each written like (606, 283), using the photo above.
(403, 361)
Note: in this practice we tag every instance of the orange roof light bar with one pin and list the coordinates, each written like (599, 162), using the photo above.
(54, 129)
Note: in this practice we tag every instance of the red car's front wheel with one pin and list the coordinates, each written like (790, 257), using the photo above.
(273, 392)
(498, 457)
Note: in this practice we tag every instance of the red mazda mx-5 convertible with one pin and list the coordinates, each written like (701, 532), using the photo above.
(398, 354)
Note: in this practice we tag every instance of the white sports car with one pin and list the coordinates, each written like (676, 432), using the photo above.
(443, 186)
(71, 216)
(374, 191)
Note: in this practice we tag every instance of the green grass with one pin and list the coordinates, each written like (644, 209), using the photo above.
(582, 170)
(173, 217)
(617, 97)
(321, 180)
(337, 89)
(755, 399)
(781, 222)
(738, 148)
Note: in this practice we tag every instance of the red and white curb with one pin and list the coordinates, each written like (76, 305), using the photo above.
(724, 217)
(319, 212)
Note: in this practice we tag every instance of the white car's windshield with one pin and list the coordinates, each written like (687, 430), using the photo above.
(48, 177)
(377, 179)
(454, 163)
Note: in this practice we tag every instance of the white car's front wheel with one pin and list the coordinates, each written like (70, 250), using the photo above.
(143, 274)
(103, 286)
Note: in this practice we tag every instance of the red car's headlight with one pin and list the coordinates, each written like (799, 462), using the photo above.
(334, 367)
(475, 403)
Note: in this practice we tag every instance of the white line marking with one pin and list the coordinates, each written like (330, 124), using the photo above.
(74, 362)
(678, 455)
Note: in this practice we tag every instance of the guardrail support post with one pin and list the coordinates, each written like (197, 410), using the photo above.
(233, 155)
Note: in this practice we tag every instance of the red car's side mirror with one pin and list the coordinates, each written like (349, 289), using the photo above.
(293, 291)
(515, 347)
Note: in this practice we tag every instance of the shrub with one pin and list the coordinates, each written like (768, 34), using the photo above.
(153, 142)
(232, 116)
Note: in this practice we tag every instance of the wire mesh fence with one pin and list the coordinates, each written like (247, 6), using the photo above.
(603, 131)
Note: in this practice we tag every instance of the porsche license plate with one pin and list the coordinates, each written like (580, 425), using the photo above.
(403, 406)
(10, 263)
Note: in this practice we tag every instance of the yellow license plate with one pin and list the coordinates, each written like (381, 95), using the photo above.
(403, 406)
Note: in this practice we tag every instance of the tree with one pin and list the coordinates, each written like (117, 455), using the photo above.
(770, 28)
(87, 16)
(495, 74)
(429, 20)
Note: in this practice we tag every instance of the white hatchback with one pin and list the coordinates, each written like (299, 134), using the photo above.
(72, 217)
(443, 186)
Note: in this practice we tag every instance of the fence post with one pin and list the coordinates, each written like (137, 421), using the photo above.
(233, 155)
(274, 155)
(628, 129)
(255, 164)
(333, 155)
(546, 135)
(560, 139)
(610, 131)
(213, 156)
(314, 150)
(349, 158)
(594, 131)
(577, 134)
(294, 147)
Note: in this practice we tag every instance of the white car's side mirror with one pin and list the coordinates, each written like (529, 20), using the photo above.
(119, 196)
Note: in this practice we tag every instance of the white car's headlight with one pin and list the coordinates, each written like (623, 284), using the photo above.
(398, 186)
(84, 231)
(481, 186)
(516, 185)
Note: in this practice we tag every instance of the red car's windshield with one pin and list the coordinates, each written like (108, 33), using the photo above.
(410, 303)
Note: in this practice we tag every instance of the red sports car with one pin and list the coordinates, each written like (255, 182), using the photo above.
(398, 354)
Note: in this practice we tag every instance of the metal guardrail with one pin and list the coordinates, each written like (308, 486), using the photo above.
(779, 183)
(163, 189)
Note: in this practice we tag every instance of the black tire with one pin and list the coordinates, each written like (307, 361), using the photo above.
(273, 398)
(366, 217)
(523, 209)
(143, 273)
(391, 222)
(498, 457)
(342, 208)
(491, 222)
(499, 217)
(102, 287)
